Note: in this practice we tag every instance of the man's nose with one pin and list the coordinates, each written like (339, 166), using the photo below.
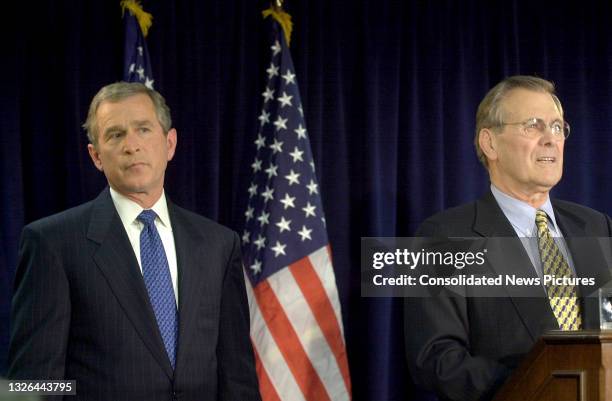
(547, 137)
(131, 142)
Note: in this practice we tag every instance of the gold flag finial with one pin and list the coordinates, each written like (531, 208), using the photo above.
(145, 20)
(284, 19)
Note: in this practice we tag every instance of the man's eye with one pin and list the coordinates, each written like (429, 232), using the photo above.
(532, 124)
(144, 129)
(557, 128)
(115, 135)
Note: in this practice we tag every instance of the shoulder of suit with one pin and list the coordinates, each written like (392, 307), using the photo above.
(455, 221)
(72, 218)
(202, 223)
(593, 218)
(576, 208)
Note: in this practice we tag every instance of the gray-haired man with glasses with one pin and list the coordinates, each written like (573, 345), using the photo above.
(467, 346)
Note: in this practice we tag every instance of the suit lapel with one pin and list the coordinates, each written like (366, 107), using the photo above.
(193, 253)
(117, 262)
(588, 261)
(507, 255)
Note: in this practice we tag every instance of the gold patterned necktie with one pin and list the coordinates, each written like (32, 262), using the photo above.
(563, 298)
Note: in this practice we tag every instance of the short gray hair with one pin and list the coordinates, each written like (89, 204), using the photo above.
(490, 113)
(118, 91)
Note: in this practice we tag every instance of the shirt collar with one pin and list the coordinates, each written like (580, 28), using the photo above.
(521, 214)
(129, 210)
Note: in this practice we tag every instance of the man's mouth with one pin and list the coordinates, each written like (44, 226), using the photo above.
(546, 159)
(136, 164)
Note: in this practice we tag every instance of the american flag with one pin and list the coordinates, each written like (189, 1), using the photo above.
(137, 65)
(296, 323)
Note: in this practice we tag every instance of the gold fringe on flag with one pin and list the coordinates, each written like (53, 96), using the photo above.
(282, 18)
(145, 20)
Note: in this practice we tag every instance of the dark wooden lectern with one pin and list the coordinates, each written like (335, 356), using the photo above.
(564, 366)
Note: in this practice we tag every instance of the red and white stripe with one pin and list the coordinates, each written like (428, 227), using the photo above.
(297, 333)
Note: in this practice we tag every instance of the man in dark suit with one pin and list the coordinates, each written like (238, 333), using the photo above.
(130, 295)
(463, 347)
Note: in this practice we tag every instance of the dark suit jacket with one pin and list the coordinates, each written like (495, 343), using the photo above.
(81, 310)
(464, 348)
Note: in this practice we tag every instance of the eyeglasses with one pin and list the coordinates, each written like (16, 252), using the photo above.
(536, 127)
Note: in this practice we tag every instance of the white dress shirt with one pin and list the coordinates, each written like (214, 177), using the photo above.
(129, 210)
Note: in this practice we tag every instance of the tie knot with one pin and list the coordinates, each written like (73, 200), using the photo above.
(147, 217)
(541, 219)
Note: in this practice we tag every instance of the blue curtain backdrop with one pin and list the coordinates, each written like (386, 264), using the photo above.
(390, 90)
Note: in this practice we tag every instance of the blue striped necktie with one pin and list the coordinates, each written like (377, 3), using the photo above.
(157, 279)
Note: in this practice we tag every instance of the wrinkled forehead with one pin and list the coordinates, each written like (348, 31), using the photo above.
(138, 107)
(519, 104)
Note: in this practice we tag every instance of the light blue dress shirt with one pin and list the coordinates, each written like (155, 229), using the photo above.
(522, 218)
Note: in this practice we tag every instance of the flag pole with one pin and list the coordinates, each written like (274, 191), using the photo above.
(145, 19)
(296, 321)
(284, 19)
(136, 61)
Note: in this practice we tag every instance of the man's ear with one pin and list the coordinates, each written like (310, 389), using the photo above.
(95, 156)
(171, 139)
(487, 141)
